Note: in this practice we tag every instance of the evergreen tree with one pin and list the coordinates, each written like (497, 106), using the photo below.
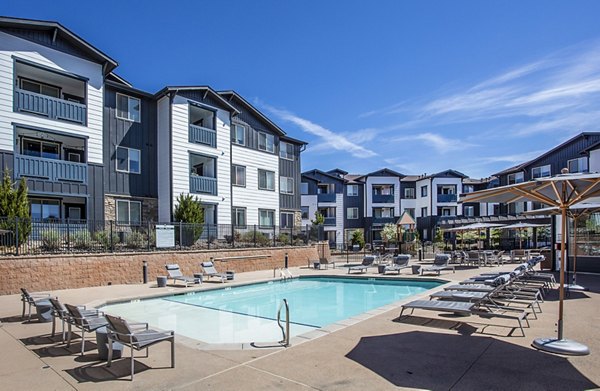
(189, 210)
(14, 205)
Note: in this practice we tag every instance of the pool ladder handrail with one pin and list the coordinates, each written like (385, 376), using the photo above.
(283, 273)
(286, 332)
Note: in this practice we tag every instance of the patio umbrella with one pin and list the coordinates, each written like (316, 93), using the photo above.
(575, 212)
(474, 227)
(561, 191)
(522, 226)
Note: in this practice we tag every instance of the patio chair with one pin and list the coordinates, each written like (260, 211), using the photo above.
(366, 263)
(59, 311)
(137, 336)
(32, 300)
(176, 274)
(85, 323)
(473, 258)
(441, 262)
(518, 255)
(210, 271)
(399, 262)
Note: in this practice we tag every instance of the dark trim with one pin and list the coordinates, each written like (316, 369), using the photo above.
(171, 195)
(45, 130)
(257, 112)
(207, 89)
(51, 194)
(129, 89)
(50, 69)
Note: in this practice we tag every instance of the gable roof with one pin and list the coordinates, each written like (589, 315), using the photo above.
(29, 29)
(206, 89)
(317, 171)
(447, 173)
(383, 172)
(232, 95)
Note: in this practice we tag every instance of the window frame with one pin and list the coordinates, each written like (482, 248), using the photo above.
(272, 212)
(234, 138)
(471, 208)
(281, 220)
(234, 211)
(578, 159)
(40, 84)
(424, 191)
(266, 172)
(281, 143)
(348, 214)
(128, 160)
(541, 168)
(286, 179)
(302, 184)
(129, 97)
(266, 135)
(424, 208)
(307, 212)
(129, 203)
(408, 197)
(348, 194)
(514, 175)
(234, 167)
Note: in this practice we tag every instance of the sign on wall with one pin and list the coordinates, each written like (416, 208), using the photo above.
(165, 236)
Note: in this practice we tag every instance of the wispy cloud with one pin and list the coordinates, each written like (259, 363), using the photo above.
(329, 139)
(439, 143)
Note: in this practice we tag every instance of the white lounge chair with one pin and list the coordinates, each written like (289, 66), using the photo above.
(366, 263)
(441, 262)
(176, 274)
(399, 262)
(210, 271)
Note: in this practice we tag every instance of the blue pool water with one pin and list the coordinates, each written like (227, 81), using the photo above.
(248, 313)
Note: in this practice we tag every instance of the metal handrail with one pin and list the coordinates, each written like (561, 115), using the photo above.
(286, 332)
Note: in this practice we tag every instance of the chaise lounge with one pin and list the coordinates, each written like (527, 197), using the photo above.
(366, 263)
(175, 273)
(210, 271)
(441, 262)
(399, 262)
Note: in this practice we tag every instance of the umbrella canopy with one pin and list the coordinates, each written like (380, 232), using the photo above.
(583, 208)
(473, 227)
(561, 191)
(522, 226)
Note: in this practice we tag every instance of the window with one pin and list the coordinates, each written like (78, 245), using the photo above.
(517, 177)
(128, 108)
(239, 135)
(239, 216)
(409, 192)
(39, 148)
(129, 212)
(304, 212)
(202, 116)
(238, 175)
(423, 191)
(286, 151)
(266, 142)
(303, 188)
(469, 211)
(352, 190)
(128, 160)
(352, 213)
(266, 180)
(40, 88)
(578, 165)
(45, 209)
(286, 220)
(424, 212)
(541, 172)
(266, 218)
(468, 188)
(410, 211)
(286, 185)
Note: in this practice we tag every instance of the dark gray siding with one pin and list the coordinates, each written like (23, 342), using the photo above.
(354, 202)
(289, 168)
(45, 38)
(320, 178)
(95, 206)
(201, 97)
(139, 135)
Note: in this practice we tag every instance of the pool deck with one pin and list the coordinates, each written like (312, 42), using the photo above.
(422, 351)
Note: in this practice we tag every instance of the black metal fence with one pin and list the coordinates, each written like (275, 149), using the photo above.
(29, 237)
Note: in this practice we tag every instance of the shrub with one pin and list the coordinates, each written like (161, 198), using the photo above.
(283, 238)
(189, 210)
(358, 238)
(103, 238)
(135, 239)
(81, 240)
(14, 204)
(51, 240)
(261, 238)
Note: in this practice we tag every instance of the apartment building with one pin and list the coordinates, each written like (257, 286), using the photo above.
(92, 146)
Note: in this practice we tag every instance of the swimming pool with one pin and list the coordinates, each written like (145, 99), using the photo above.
(248, 313)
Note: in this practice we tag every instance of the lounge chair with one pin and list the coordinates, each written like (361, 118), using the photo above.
(137, 336)
(176, 274)
(399, 262)
(366, 263)
(59, 311)
(85, 323)
(210, 271)
(518, 255)
(439, 263)
(33, 300)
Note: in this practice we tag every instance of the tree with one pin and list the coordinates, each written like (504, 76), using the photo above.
(319, 219)
(439, 236)
(15, 205)
(358, 238)
(189, 210)
(389, 233)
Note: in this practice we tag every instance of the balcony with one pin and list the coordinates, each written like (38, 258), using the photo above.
(384, 220)
(446, 198)
(383, 198)
(203, 184)
(53, 108)
(329, 221)
(201, 135)
(53, 170)
(326, 197)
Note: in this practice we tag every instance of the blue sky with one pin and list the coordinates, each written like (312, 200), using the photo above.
(417, 86)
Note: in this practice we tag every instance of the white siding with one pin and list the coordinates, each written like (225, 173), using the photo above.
(164, 164)
(181, 152)
(311, 202)
(20, 48)
(382, 180)
(422, 202)
(250, 196)
(433, 194)
(339, 218)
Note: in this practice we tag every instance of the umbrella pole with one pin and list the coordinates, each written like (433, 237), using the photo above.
(561, 288)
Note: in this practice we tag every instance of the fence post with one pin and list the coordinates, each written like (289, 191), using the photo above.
(254, 235)
(232, 235)
(292, 236)
(208, 235)
(68, 236)
(180, 234)
(148, 234)
(274, 236)
(307, 236)
(112, 244)
(16, 236)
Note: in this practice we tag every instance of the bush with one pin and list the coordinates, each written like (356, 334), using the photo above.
(261, 238)
(189, 210)
(283, 238)
(135, 239)
(358, 238)
(51, 240)
(103, 238)
(81, 240)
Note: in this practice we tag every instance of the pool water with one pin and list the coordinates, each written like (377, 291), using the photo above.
(248, 313)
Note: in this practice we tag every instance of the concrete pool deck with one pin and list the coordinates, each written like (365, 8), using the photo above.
(422, 351)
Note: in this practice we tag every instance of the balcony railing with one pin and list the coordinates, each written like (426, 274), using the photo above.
(326, 197)
(446, 198)
(200, 135)
(53, 170)
(203, 184)
(329, 221)
(384, 220)
(383, 198)
(53, 108)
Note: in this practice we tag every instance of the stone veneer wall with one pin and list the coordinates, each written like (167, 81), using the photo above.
(39, 273)
(149, 207)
